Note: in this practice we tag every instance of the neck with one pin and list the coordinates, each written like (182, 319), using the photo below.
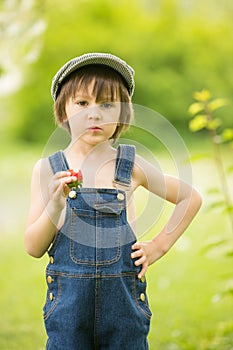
(84, 150)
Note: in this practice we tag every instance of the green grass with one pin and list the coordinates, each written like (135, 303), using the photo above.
(184, 288)
(22, 289)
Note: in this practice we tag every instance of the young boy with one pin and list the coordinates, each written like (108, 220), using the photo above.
(96, 296)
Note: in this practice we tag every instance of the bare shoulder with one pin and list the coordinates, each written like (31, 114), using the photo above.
(145, 172)
(41, 174)
(42, 167)
(138, 175)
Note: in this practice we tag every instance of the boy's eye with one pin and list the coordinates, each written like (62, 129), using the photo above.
(82, 103)
(107, 105)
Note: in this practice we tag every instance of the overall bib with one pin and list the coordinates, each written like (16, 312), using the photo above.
(95, 300)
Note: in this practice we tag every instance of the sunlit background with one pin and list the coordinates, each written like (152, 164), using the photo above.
(177, 47)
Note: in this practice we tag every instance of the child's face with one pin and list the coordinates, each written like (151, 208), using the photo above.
(90, 120)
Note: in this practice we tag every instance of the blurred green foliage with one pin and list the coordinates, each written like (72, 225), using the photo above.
(175, 47)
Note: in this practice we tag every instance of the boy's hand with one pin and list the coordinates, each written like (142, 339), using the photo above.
(145, 255)
(59, 187)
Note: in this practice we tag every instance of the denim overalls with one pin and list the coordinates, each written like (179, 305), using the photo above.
(94, 298)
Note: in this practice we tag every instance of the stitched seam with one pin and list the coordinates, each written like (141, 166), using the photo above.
(146, 313)
(51, 309)
(86, 275)
(97, 312)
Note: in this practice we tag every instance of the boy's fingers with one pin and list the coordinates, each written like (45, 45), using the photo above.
(136, 254)
(143, 271)
(140, 261)
(61, 174)
(64, 180)
(136, 246)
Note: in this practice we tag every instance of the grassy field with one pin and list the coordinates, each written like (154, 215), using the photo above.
(186, 287)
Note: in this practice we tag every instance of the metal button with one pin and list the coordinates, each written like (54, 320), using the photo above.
(51, 259)
(142, 297)
(51, 297)
(50, 279)
(72, 194)
(120, 196)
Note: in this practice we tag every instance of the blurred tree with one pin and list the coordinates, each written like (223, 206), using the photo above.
(21, 30)
(175, 47)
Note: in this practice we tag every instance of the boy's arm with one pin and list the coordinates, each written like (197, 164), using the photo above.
(187, 202)
(48, 198)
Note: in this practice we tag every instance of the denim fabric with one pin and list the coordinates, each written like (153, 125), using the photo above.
(94, 298)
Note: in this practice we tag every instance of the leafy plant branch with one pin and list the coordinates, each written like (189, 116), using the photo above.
(202, 118)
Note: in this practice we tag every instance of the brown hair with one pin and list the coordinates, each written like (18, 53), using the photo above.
(108, 85)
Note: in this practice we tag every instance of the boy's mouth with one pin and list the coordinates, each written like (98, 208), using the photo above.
(95, 128)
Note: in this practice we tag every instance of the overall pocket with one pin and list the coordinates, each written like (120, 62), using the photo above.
(96, 234)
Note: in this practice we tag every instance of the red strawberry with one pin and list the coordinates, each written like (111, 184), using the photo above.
(78, 182)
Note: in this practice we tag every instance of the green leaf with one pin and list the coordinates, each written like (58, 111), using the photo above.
(217, 103)
(198, 123)
(213, 124)
(213, 190)
(195, 108)
(200, 156)
(217, 204)
(229, 291)
(228, 209)
(230, 254)
(227, 134)
(214, 245)
(202, 96)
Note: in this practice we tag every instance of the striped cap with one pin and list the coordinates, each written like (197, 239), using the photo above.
(106, 59)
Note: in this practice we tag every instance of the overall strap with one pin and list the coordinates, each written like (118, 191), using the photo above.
(124, 164)
(58, 162)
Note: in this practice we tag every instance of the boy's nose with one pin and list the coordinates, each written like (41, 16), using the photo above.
(93, 113)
